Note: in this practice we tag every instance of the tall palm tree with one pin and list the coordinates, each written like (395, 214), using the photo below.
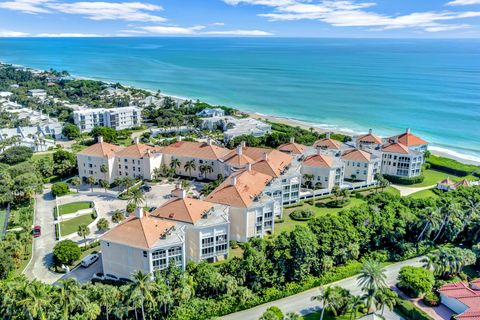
(324, 299)
(385, 297)
(163, 294)
(91, 181)
(372, 276)
(76, 182)
(104, 170)
(36, 300)
(431, 220)
(136, 197)
(106, 296)
(83, 231)
(68, 296)
(448, 209)
(190, 166)
(354, 303)
(473, 210)
(175, 164)
(142, 289)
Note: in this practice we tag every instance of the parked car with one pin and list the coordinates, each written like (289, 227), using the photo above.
(89, 260)
(152, 209)
(37, 231)
(145, 188)
(98, 276)
(125, 280)
(111, 277)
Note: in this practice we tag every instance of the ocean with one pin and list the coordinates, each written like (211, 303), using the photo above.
(430, 86)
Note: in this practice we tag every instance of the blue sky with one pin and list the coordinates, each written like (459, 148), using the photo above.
(260, 18)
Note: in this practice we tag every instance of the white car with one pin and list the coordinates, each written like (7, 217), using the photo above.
(89, 260)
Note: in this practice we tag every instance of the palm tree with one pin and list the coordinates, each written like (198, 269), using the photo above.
(136, 197)
(354, 303)
(323, 298)
(372, 276)
(104, 184)
(142, 290)
(106, 296)
(385, 297)
(76, 182)
(83, 231)
(430, 261)
(308, 178)
(473, 211)
(205, 169)
(36, 300)
(104, 170)
(190, 166)
(163, 294)
(68, 296)
(449, 209)
(431, 220)
(175, 164)
(185, 185)
(91, 181)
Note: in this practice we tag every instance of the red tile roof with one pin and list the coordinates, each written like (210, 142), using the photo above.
(369, 138)
(395, 147)
(292, 147)
(356, 155)
(187, 210)
(463, 293)
(409, 139)
(195, 150)
(137, 151)
(101, 149)
(318, 160)
(327, 143)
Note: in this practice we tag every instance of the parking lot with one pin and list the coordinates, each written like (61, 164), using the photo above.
(84, 275)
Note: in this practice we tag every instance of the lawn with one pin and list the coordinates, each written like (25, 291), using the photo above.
(289, 224)
(48, 154)
(424, 194)
(432, 177)
(74, 207)
(71, 226)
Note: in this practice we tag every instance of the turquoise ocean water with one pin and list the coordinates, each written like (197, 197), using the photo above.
(431, 86)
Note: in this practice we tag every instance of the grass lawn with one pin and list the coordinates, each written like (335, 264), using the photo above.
(329, 316)
(74, 207)
(71, 226)
(290, 224)
(423, 194)
(432, 177)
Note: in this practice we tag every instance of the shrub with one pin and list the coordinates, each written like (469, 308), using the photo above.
(60, 189)
(7, 265)
(415, 281)
(117, 216)
(66, 252)
(409, 311)
(404, 180)
(302, 215)
(16, 154)
(276, 311)
(233, 244)
(431, 299)
(339, 203)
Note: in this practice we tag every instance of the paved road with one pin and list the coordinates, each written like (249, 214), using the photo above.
(43, 245)
(301, 303)
(84, 275)
(406, 191)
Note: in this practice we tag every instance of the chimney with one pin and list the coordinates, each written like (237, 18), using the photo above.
(292, 139)
(249, 167)
(265, 156)
(136, 140)
(328, 135)
(234, 180)
(370, 131)
(243, 144)
(100, 139)
(408, 130)
(239, 150)
(139, 212)
(319, 150)
(179, 193)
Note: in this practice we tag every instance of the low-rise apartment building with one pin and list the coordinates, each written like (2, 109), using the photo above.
(327, 171)
(137, 161)
(368, 141)
(399, 161)
(251, 211)
(360, 165)
(327, 143)
(206, 226)
(116, 118)
(292, 148)
(409, 140)
(142, 243)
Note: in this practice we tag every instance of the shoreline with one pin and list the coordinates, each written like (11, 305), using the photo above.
(439, 151)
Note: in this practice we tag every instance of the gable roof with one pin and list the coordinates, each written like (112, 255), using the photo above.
(292, 147)
(137, 150)
(463, 293)
(369, 138)
(101, 149)
(196, 150)
(327, 143)
(395, 147)
(462, 183)
(249, 184)
(319, 160)
(139, 232)
(187, 210)
(237, 160)
(356, 155)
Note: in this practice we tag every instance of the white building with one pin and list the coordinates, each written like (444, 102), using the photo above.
(327, 171)
(116, 118)
(142, 243)
(360, 165)
(137, 161)
(251, 212)
(368, 141)
(246, 126)
(211, 112)
(38, 93)
(37, 138)
(206, 226)
(399, 161)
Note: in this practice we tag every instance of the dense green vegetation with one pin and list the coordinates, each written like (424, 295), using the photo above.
(452, 166)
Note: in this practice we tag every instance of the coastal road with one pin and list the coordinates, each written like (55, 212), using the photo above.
(43, 245)
(301, 303)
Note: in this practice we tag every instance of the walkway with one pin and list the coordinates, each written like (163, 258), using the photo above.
(42, 249)
(301, 303)
(406, 191)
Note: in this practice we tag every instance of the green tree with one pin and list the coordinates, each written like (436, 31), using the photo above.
(415, 281)
(189, 167)
(68, 297)
(109, 134)
(102, 224)
(385, 298)
(324, 298)
(76, 182)
(372, 276)
(91, 181)
(7, 264)
(60, 189)
(136, 197)
(131, 208)
(106, 296)
(64, 163)
(16, 155)
(83, 231)
(71, 131)
(142, 289)
(104, 170)
(104, 184)
(117, 216)
(66, 252)
(36, 300)
(175, 164)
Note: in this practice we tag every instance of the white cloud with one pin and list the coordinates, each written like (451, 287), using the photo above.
(26, 6)
(349, 13)
(128, 11)
(12, 34)
(173, 30)
(217, 24)
(68, 35)
(240, 33)
(463, 2)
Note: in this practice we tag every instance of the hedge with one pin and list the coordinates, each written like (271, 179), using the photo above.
(302, 215)
(452, 166)
(403, 180)
(409, 311)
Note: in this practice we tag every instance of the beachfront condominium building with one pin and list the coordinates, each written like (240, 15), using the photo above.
(328, 144)
(360, 165)
(195, 159)
(325, 171)
(292, 148)
(285, 185)
(409, 140)
(400, 161)
(206, 225)
(116, 118)
(368, 141)
(211, 112)
(142, 243)
(251, 211)
(137, 161)
(91, 160)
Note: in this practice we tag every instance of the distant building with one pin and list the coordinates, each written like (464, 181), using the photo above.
(142, 243)
(410, 140)
(38, 138)
(462, 298)
(215, 112)
(5, 94)
(360, 165)
(116, 118)
(38, 93)
(327, 171)
(295, 149)
(448, 185)
(327, 144)
(369, 141)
